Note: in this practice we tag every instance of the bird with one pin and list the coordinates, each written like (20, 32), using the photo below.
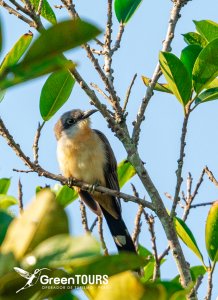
(85, 154)
(32, 278)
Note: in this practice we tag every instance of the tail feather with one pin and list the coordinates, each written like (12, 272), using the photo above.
(119, 232)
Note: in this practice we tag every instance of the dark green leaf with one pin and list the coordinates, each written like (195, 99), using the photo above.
(66, 195)
(5, 222)
(7, 201)
(211, 232)
(17, 51)
(144, 251)
(4, 185)
(55, 93)
(187, 237)
(206, 66)
(162, 87)
(125, 172)
(208, 29)
(208, 95)
(46, 11)
(66, 296)
(7, 262)
(193, 38)
(35, 225)
(177, 76)
(189, 55)
(171, 288)
(125, 9)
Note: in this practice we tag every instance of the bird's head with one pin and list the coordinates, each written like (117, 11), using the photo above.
(72, 122)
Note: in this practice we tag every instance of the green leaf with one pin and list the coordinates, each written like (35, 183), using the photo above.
(46, 11)
(7, 201)
(213, 84)
(208, 95)
(66, 195)
(206, 66)
(195, 271)
(44, 56)
(35, 225)
(187, 237)
(17, 51)
(2, 95)
(144, 251)
(125, 172)
(4, 224)
(55, 93)
(125, 9)
(189, 55)
(193, 38)
(177, 76)
(211, 232)
(4, 185)
(64, 251)
(208, 29)
(161, 87)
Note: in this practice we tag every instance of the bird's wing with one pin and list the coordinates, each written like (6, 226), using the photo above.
(23, 273)
(110, 170)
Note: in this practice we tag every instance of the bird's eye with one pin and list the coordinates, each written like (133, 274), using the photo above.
(70, 121)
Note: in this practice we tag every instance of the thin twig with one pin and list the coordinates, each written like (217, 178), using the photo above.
(101, 235)
(128, 93)
(198, 184)
(98, 89)
(17, 14)
(174, 17)
(36, 143)
(84, 216)
(202, 204)
(119, 38)
(196, 287)
(20, 196)
(150, 221)
(138, 223)
(179, 178)
(93, 224)
(210, 282)
(211, 176)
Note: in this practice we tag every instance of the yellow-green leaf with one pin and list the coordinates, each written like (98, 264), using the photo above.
(125, 172)
(66, 195)
(7, 201)
(161, 87)
(4, 185)
(17, 51)
(35, 225)
(208, 29)
(187, 237)
(211, 232)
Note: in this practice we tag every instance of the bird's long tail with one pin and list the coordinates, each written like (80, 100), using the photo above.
(119, 232)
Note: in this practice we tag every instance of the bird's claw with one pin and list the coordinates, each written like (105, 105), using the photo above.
(93, 187)
(70, 181)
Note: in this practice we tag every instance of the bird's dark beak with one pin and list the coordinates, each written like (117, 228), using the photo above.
(88, 113)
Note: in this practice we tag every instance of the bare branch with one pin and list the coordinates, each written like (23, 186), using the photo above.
(93, 224)
(98, 89)
(211, 176)
(174, 17)
(202, 204)
(210, 282)
(138, 222)
(150, 221)
(101, 235)
(20, 196)
(180, 162)
(84, 216)
(17, 14)
(128, 93)
(119, 38)
(36, 143)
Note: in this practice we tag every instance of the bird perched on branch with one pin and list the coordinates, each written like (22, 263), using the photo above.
(85, 154)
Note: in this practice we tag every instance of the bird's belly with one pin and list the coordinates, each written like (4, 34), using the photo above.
(84, 161)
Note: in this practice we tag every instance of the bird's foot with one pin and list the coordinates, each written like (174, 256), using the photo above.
(94, 186)
(70, 181)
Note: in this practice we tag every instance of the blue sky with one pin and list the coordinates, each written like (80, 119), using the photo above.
(159, 145)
